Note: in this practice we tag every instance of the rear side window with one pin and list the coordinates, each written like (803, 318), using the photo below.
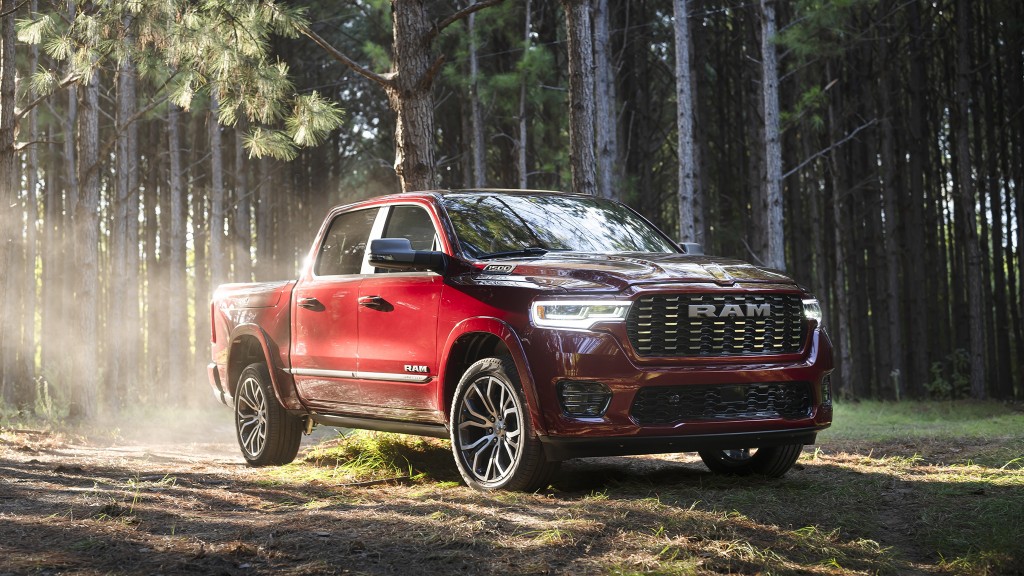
(345, 244)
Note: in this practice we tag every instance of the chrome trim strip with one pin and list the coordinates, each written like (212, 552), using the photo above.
(350, 375)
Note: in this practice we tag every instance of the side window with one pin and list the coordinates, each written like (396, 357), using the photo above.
(343, 247)
(414, 223)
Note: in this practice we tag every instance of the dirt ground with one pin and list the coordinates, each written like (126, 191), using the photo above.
(89, 506)
(70, 505)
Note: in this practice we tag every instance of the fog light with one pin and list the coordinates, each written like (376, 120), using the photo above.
(826, 391)
(583, 399)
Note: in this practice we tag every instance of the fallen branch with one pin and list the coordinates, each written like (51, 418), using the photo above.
(831, 147)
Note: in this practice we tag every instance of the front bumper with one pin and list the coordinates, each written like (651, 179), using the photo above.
(598, 357)
(564, 448)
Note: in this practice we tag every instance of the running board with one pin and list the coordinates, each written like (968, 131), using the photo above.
(413, 428)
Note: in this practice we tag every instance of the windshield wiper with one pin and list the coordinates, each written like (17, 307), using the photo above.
(530, 251)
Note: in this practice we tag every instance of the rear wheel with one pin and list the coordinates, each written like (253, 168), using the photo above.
(771, 461)
(492, 436)
(267, 434)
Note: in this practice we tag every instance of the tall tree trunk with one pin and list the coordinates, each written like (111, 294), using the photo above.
(914, 239)
(606, 122)
(85, 377)
(893, 219)
(264, 223)
(201, 257)
(775, 255)
(55, 223)
(691, 223)
(997, 147)
(243, 213)
(177, 329)
(1016, 92)
(476, 116)
(411, 95)
(581, 96)
(10, 221)
(522, 170)
(28, 322)
(158, 254)
(123, 317)
(61, 228)
(973, 273)
(218, 257)
(841, 291)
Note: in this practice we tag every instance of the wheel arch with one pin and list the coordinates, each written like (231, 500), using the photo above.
(249, 344)
(477, 338)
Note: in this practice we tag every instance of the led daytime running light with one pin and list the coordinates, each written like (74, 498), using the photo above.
(812, 310)
(578, 314)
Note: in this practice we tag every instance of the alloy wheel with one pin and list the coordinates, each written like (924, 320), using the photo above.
(490, 429)
(252, 417)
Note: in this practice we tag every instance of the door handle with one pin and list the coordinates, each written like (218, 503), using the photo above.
(311, 304)
(374, 303)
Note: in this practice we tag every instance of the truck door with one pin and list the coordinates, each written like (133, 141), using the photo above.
(324, 319)
(398, 326)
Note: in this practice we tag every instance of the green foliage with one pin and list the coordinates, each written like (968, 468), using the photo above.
(225, 45)
(950, 378)
(811, 106)
(188, 49)
(379, 55)
(822, 28)
(311, 119)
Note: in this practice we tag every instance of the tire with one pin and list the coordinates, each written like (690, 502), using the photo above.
(492, 436)
(772, 461)
(267, 434)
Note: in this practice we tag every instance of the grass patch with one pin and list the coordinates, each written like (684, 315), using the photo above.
(362, 456)
(949, 432)
(872, 421)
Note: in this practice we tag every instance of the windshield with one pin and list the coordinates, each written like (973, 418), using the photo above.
(496, 225)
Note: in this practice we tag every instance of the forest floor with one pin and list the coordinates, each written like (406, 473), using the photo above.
(917, 495)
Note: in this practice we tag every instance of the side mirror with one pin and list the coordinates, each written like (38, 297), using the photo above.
(397, 254)
(692, 248)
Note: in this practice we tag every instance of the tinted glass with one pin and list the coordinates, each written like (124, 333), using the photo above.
(343, 248)
(491, 224)
(411, 222)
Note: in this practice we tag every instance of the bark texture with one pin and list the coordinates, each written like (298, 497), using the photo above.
(775, 253)
(690, 220)
(581, 96)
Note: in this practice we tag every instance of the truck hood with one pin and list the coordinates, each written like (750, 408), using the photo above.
(619, 271)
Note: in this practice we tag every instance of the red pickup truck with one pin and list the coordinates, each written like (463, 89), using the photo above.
(528, 328)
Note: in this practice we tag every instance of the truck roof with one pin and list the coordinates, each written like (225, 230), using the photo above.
(441, 192)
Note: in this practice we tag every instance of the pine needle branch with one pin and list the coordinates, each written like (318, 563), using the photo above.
(67, 81)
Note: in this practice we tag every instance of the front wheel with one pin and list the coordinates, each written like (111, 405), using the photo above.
(267, 434)
(491, 432)
(772, 461)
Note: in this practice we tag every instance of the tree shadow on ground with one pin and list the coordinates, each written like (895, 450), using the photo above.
(122, 515)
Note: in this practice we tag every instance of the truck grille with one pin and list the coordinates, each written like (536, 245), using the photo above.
(726, 325)
(668, 405)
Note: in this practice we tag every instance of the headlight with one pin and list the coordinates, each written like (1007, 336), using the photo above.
(812, 310)
(578, 314)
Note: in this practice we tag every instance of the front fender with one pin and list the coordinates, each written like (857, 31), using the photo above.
(503, 331)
